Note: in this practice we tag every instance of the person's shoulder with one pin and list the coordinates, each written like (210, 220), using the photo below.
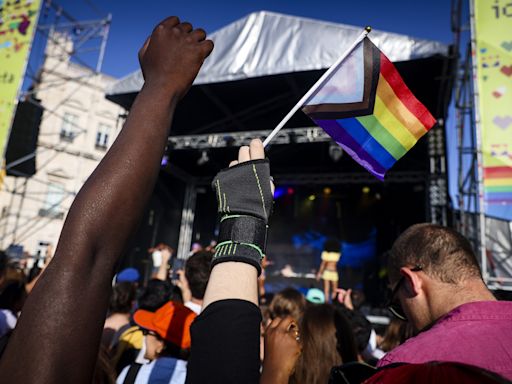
(400, 354)
(480, 311)
(143, 373)
(122, 375)
(179, 374)
(413, 349)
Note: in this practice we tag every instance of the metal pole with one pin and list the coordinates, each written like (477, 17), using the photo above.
(187, 221)
(104, 42)
(478, 133)
(461, 105)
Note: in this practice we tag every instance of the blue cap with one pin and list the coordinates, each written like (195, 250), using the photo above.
(130, 275)
(315, 296)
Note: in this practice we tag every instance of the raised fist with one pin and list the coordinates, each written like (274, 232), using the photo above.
(172, 56)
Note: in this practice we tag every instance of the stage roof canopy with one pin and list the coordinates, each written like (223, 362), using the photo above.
(266, 43)
(261, 66)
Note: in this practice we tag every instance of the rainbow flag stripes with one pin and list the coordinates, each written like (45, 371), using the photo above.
(498, 185)
(368, 110)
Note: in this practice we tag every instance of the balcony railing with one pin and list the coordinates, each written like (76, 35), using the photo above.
(67, 136)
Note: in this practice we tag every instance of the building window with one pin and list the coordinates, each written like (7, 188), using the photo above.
(103, 136)
(52, 205)
(68, 130)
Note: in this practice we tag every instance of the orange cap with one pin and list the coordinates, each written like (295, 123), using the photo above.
(171, 322)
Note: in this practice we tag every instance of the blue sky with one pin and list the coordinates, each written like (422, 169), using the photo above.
(132, 22)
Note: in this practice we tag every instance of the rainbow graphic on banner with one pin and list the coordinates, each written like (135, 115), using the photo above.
(493, 70)
(365, 106)
(498, 184)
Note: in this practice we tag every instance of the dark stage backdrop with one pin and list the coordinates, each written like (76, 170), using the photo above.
(365, 219)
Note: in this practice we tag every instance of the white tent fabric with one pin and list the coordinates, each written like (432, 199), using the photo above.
(266, 43)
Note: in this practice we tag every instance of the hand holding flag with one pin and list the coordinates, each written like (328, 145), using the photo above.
(365, 106)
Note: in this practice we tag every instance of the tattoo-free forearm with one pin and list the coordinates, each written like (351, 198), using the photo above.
(58, 334)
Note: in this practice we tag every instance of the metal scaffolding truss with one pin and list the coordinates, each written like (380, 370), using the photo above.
(88, 41)
(437, 178)
(470, 218)
(87, 38)
(318, 135)
(236, 139)
(437, 184)
(348, 178)
(467, 154)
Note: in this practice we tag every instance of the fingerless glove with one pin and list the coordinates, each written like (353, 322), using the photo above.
(244, 201)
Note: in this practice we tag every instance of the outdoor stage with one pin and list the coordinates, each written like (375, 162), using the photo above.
(321, 192)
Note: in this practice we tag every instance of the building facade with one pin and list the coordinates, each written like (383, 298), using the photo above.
(77, 128)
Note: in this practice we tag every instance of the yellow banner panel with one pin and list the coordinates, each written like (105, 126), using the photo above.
(18, 21)
(493, 33)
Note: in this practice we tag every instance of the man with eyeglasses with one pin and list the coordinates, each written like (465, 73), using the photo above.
(436, 284)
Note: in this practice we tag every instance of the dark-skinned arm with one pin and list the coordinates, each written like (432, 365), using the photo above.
(58, 334)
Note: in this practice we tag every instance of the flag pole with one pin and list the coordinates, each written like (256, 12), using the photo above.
(313, 89)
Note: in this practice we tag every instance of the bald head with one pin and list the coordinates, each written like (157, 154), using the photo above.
(443, 253)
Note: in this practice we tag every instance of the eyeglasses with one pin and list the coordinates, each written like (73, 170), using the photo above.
(393, 305)
(146, 332)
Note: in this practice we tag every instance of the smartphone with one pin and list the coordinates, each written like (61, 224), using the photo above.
(157, 259)
(177, 264)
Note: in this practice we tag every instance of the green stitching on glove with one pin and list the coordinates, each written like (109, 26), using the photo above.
(219, 200)
(223, 247)
(259, 188)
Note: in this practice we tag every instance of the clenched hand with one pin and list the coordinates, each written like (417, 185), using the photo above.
(172, 56)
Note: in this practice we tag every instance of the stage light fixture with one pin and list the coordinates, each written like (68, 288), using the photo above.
(311, 197)
(290, 191)
(278, 192)
(327, 191)
(366, 190)
(165, 157)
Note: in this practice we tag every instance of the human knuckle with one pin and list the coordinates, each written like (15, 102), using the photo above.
(174, 20)
(159, 29)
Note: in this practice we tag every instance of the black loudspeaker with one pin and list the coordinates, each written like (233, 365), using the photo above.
(23, 138)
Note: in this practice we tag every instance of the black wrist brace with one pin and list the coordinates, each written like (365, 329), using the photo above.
(241, 238)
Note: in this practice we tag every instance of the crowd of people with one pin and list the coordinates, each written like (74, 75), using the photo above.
(204, 323)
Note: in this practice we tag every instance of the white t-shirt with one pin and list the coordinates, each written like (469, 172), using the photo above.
(7, 321)
(193, 307)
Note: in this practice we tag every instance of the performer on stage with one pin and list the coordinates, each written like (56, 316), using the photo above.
(328, 271)
(265, 262)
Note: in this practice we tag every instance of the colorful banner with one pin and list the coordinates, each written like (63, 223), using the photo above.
(493, 50)
(18, 21)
